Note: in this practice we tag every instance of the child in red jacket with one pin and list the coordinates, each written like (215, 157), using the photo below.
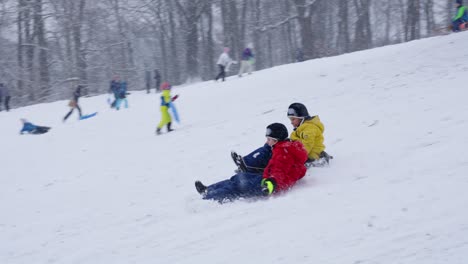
(284, 169)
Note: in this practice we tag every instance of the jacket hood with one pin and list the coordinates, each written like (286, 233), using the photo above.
(315, 120)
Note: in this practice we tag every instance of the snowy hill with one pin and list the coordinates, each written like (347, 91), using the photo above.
(107, 190)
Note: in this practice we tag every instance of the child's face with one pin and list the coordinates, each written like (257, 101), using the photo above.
(271, 141)
(295, 122)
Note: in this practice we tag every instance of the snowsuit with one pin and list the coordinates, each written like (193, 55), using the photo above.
(74, 103)
(166, 118)
(460, 18)
(223, 62)
(310, 133)
(286, 165)
(121, 95)
(243, 184)
(246, 62)
(257, 160)
(33, 129)
(285, 168)
(114, 89)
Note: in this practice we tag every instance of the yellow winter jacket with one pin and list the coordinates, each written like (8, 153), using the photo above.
(165, 99)
(310, 133)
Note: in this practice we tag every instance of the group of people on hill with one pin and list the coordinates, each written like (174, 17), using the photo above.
(30, 128)
(119, 89)
(224, 62)
(278, 164)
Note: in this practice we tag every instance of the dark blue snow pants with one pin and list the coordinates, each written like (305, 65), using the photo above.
(258, 159)
(456, 24)
(243, 185)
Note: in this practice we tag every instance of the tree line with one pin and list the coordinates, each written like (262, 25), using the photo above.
(47, 43)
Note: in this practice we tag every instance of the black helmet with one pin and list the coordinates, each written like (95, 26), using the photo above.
(460, 2)
(277, 131)
(298, 110)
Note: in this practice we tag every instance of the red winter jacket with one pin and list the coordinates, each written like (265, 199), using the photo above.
(286, 165)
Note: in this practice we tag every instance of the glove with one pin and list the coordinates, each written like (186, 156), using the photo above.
(268, 186)
(175, 97)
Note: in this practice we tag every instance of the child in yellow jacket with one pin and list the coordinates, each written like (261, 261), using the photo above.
(308, 130)
(166, 100)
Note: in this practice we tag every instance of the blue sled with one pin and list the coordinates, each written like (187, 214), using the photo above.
(88, 116)
(174, 112)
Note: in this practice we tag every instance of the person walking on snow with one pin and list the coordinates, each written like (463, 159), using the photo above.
(223, 63)
(461, 16)
(114, 88)
(284, 169)
(166, 101)
(121, 95)
(74, 103)
(246, 61)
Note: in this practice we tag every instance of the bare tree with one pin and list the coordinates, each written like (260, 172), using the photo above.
(191, 11)
(304, 11)
(412, 26)
(59, 39)
(363, 33)
(429, 14)
(344, 42)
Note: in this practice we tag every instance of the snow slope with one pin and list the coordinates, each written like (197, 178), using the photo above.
(107, 190)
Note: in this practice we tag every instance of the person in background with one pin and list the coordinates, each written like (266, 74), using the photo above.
(148, 81)
(166, 100)
(284, 169)
(114, 89)
(1, 95)
(461, 17)
(30, 128)
(299, 55)
(6, 92)
(5, 96)
(223, 63)
(157, 79)
(247, 61)
(122, 95)
(73, 104)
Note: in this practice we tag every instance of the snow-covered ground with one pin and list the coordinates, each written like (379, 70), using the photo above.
(107, 190)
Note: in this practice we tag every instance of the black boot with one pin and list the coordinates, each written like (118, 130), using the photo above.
(239, 161)
(169, 127)
(158, 131)
(201, 189)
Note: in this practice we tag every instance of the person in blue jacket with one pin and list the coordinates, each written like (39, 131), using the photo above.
(246, 62)
(30, 128)
(114, 88)
(121, 95)
(461, 16)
